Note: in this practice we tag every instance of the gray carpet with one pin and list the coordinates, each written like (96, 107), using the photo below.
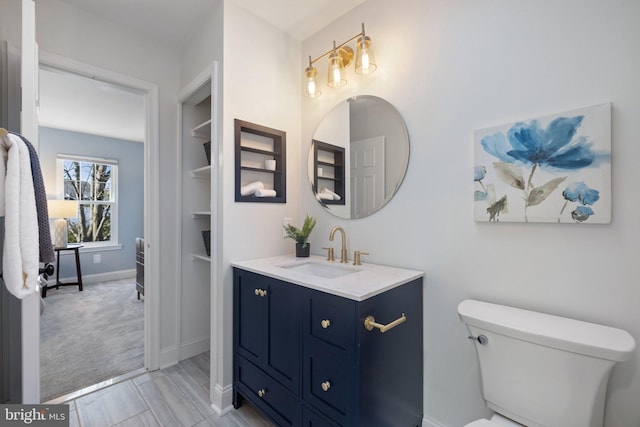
(89, 336)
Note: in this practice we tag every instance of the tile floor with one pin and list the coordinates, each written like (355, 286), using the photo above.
(171, 397)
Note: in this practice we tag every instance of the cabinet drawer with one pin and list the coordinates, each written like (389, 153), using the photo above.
(267, 394)
(331, 319)
(329, 383)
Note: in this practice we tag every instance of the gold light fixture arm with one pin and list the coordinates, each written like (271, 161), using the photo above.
(370, 323)
(341, 48)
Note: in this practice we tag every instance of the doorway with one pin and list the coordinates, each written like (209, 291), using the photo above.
(105, 250)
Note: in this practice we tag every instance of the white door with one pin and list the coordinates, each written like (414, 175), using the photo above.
(17, 28)
(367, 175)
(29, 129)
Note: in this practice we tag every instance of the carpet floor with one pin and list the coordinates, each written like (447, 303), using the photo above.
(89, 336)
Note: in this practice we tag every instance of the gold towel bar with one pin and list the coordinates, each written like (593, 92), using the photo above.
(370, 323)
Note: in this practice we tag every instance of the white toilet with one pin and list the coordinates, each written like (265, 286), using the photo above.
(540, 370)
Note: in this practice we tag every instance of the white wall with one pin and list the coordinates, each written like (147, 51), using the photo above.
(451, 66)
(261, 85)
(69, 32)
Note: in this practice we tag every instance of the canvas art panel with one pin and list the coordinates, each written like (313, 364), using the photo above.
(552, 169)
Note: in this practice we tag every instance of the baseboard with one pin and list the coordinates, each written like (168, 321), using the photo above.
(222, 399)
(194, 348)
(430, 422)
(100, 277)
(168, 356)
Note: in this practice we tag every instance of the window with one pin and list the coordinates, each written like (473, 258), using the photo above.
(93, 183)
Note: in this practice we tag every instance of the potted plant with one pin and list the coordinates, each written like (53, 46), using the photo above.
(301, 235)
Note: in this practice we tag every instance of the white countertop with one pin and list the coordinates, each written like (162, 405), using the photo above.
(367, 280)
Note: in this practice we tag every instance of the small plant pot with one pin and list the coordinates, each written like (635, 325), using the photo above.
(302, 252)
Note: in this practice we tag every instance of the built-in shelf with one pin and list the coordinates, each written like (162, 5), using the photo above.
(202, 131)
(330, 159)
(199, 257)
(203, 172)
(202, 214)
(256, 145)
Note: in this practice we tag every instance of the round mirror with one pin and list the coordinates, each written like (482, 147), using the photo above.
(358, 157)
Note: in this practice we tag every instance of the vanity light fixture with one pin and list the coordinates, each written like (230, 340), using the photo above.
(340, 57)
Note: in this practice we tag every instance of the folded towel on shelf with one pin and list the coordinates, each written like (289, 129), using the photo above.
(327, 194)
(249, 189)
(18, 205)
(323, 196)
(263, 192)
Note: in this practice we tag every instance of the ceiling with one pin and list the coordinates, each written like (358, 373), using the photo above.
(109, 111)
(80, 104)
(172, 21)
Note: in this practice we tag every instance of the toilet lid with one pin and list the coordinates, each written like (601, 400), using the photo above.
(482, 423)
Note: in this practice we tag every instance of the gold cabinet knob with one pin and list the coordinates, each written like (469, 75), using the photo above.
(325, 323)
(257, 291)
(261, 393)
(260, 292)
(326, 386)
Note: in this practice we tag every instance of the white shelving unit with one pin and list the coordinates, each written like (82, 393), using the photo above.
(196, 216)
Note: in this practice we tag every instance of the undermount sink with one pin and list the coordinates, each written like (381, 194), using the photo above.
(319, 269)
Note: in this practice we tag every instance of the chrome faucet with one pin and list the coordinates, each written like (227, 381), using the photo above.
(343, 251)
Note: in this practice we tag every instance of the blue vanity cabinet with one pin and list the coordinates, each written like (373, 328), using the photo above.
(358, 377)
(267, 342)
(305, 358)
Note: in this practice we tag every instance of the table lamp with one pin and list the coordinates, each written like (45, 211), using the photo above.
(61, 209)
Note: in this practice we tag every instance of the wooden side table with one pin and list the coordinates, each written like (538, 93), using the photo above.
(76, 249)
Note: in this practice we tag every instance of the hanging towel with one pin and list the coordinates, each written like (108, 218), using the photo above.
(46, 247)
(18, 206)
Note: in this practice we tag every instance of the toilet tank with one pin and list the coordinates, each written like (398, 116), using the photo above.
(544, 370)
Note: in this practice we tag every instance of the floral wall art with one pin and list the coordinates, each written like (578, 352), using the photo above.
(554, 169)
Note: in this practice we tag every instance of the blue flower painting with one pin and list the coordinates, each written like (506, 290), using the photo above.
(540, 168)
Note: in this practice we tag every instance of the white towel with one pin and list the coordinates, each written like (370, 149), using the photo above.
(249, 189)
(329, 195)
(323, 196)
(18, 205)
(263, 192)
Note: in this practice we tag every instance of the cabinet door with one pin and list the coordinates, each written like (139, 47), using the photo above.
(282, 359)
(250, 295)
(267, 325)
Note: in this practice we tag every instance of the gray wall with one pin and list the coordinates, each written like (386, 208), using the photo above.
(130, 157)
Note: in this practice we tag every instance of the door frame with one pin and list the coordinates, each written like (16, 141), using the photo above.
(151, 190)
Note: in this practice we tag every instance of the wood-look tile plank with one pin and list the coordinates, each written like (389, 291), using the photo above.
(198, 395)
(169, 404)
(203, 361)
(147, 376)
(145, 419)
(110, 406)
(250, 416)
(73, 416)
(194, 372)
(244, 416)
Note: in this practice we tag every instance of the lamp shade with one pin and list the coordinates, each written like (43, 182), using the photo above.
(62, 208)
(336, 69)
(365, 62)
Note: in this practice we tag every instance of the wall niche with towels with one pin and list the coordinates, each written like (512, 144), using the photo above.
(261, 170)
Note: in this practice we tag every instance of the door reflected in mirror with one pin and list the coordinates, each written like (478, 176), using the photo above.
(358, 157)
